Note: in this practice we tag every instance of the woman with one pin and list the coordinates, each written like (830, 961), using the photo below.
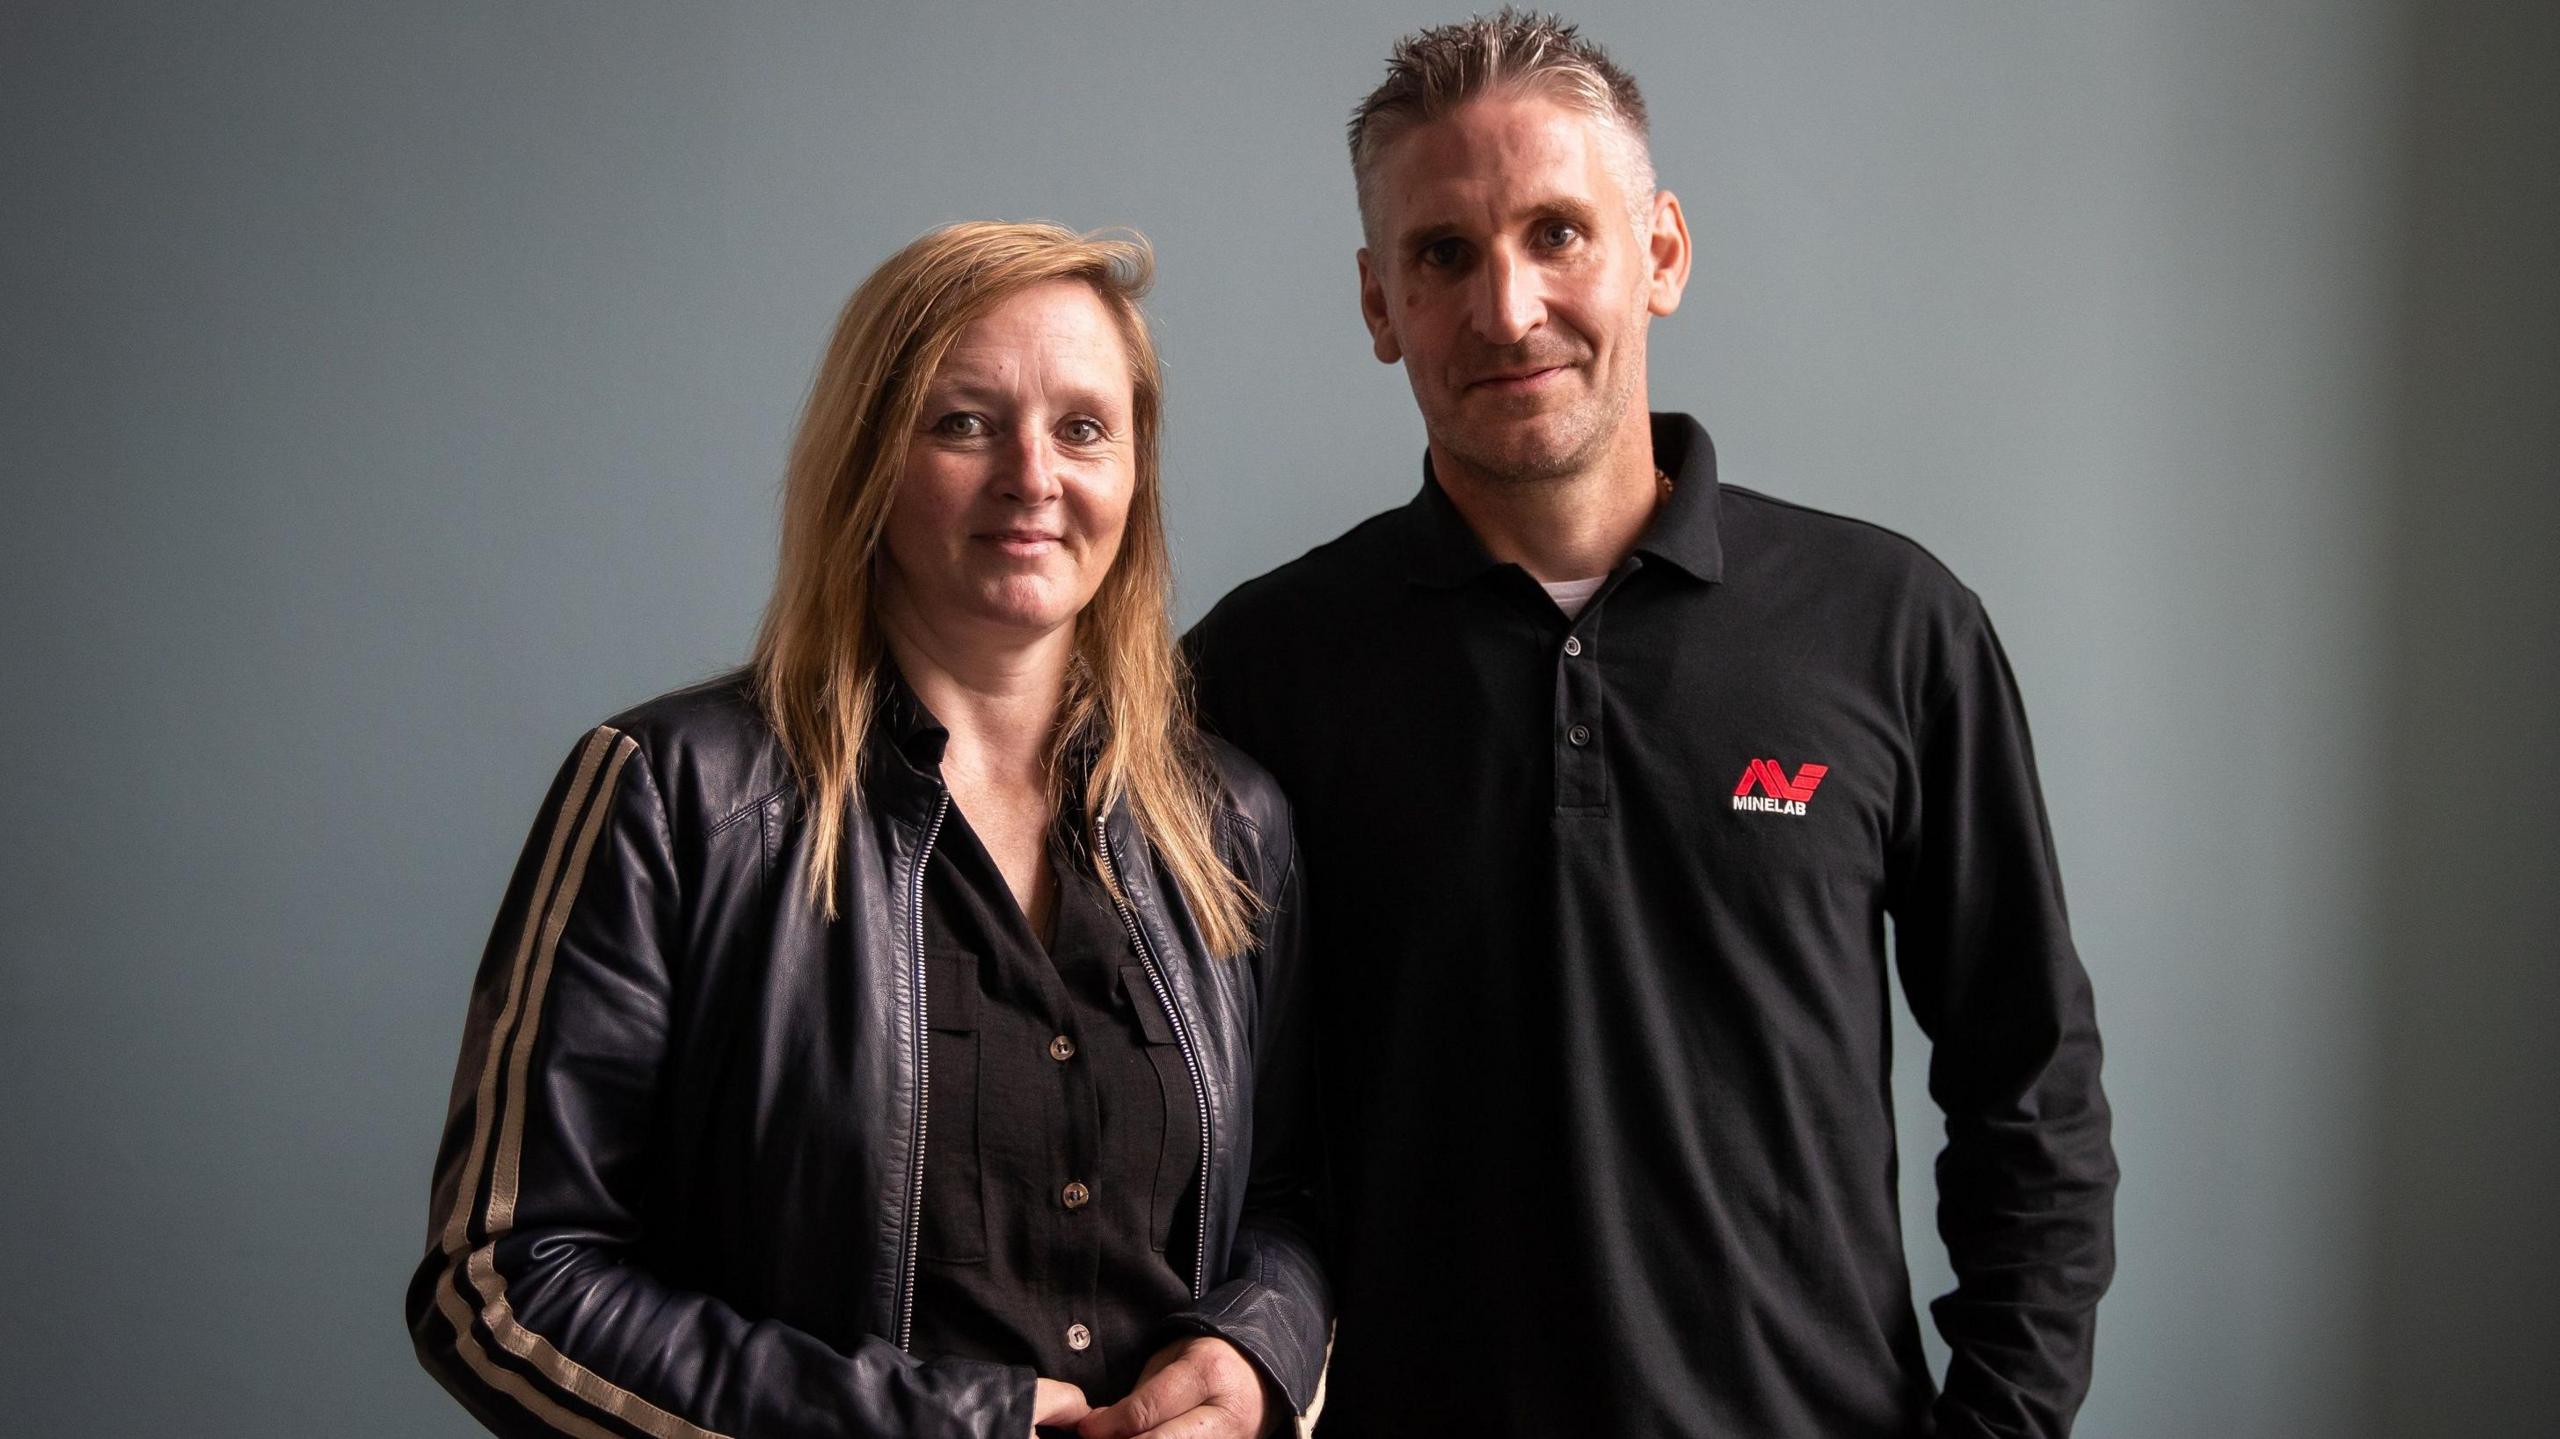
(900, 1037)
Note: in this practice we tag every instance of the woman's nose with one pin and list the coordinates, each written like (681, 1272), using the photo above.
(1030, 467)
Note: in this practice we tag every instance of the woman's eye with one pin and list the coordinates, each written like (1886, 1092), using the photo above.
(961, 425)
(1083, 431)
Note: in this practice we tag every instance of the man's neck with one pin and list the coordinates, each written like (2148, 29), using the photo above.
(1573, 527)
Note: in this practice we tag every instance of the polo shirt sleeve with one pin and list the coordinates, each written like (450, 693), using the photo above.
(2026, 1183)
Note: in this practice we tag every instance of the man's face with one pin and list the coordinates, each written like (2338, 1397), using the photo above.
(1510, 281)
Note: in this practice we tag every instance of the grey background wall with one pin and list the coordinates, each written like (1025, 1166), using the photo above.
(387, 392)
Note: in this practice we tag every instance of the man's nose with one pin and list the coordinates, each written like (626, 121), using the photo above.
(1508, 304)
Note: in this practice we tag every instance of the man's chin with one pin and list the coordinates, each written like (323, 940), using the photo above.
(1517, 452)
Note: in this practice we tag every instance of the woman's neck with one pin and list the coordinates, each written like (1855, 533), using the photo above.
(997, 695)
(999, 700)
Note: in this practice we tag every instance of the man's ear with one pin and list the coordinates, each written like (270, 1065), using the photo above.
(1373, 313)
(1667, 245)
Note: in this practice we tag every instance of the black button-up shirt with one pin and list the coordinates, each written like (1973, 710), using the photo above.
(1063, 1134)
(1600, 910)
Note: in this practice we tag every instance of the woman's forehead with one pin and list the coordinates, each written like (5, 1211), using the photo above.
(1057, 333)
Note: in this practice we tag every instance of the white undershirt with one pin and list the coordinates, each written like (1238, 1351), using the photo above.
(1571, 595)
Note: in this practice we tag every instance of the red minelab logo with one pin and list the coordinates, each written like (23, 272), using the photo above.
(1778, 794)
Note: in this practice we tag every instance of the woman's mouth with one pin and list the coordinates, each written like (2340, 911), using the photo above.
(1022, 542)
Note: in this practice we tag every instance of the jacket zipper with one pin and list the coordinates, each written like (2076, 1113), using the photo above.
(924, 1073)
(1182, 1039)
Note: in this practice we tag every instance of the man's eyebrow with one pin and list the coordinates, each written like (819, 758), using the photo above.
(1421, 235)
(1562, 207)
(1566, 207)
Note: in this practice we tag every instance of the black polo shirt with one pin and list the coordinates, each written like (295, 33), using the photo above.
(1599, 913)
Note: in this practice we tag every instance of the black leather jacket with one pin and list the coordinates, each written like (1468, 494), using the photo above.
(679, 1188)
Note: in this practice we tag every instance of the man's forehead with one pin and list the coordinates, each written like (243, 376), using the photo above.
(1497, 133)
(1498, 160)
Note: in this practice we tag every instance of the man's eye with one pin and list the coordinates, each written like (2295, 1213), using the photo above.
(1557, 234)
(961, 425)
(1083, 431)
(1442, 253)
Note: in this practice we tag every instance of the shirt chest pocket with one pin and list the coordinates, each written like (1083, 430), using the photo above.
(955, 1210)
(1178, 1146)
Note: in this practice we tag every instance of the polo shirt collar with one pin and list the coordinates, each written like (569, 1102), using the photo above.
(1442, 549)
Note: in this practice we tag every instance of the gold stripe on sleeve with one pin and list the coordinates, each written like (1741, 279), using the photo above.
(506, 1381)
(541, 944)
(457, 1227)
(503, 1183)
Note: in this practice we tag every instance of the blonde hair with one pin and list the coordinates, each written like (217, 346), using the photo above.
(1518, 52)
(820, 652)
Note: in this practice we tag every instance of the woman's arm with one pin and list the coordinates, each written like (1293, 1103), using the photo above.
(1275, 1305)
(530, 1306)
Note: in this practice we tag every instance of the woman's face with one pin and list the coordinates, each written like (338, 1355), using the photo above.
(1020, 471)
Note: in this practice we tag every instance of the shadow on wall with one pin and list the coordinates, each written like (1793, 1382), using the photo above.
(2465, 1317)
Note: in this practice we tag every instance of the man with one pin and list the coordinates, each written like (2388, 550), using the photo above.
(1607, 778)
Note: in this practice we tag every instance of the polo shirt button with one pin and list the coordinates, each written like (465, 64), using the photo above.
(1074, 1195)
(1579, 735)
(1573, 644)
(1079, 1338)
(1062, 1049)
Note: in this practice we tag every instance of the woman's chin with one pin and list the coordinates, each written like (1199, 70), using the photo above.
(1028, 610)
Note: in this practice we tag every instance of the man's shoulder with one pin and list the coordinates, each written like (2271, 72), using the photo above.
(1770, 539)
(1340, 572)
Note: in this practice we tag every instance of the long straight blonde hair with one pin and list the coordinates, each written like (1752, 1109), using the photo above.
(819, 654)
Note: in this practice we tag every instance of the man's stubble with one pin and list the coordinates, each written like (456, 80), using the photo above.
(1578, 453)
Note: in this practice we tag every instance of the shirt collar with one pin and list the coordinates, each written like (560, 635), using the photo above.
(1442, 549)
(906, 724)
(900, 717)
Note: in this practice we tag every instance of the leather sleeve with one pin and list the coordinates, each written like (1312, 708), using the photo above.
(2026, 1183)
(535, 1305)
(1275, 1303)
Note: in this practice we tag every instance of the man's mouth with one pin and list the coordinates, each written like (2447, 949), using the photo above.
(1518, 382)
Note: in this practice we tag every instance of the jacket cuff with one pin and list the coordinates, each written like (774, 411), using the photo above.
(1250, 1317)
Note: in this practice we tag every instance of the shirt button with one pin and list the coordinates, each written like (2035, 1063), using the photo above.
(1062, 1049)
(1579, 735)
(1573, 644)
(1079, 1338)
(1074, 1195)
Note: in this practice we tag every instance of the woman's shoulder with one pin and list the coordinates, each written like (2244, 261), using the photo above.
(709, 748)
(1250, 803)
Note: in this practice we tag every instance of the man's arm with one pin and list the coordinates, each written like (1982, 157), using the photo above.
(2026, 1183)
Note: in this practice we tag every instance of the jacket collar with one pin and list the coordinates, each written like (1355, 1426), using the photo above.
(1441, 549)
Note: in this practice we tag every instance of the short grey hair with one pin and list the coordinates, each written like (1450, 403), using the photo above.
(1516, 52)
